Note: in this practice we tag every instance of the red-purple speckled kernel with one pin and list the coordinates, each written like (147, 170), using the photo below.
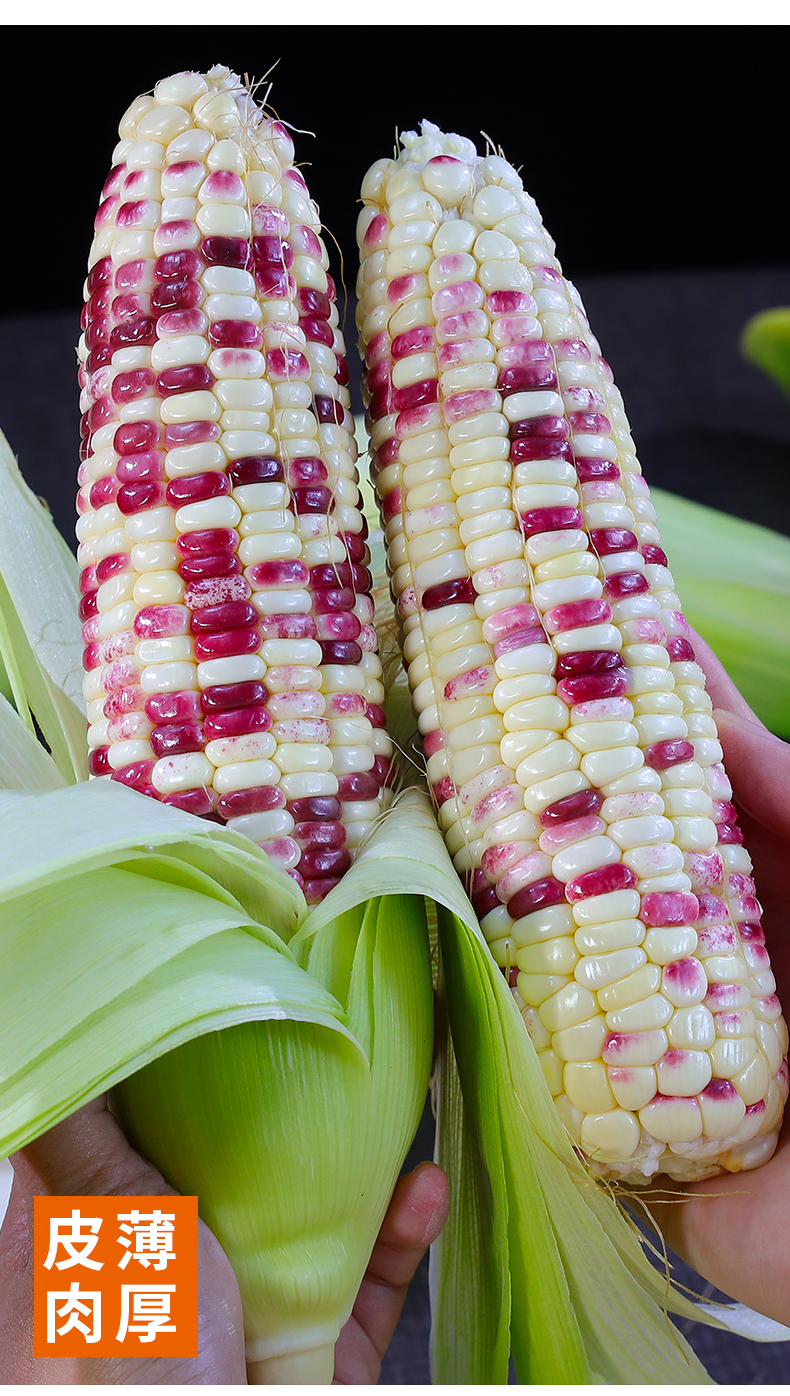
(615, 877)
(513, 303)
(546, 891)
(535, 635)
(335, 625)
(136, 383)
(729, 833)
(161, 622)
(178, 266)
(592, 468)
(444, 790)
(164, 708)
(669, 909)
(237, 722)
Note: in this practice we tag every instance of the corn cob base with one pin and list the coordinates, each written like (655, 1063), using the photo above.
(568, 737)
(231, 660)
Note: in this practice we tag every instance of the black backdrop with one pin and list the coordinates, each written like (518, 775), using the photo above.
(646, 148)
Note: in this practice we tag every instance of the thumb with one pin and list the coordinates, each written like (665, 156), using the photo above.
(758, 765)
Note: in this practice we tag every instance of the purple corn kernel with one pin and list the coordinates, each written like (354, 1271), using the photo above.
(89, 577)
(207, 540)
(127, 387)
(236, 723)
(591, 468)
(311, 834)
(679, 649)
(325, 862)
(274, 282)
(226, 252)
(484, 901)
(102, 491)
(220, 697)
(613, 540)
(547, 891)
(551, 428)
(212, 565)
(313, 500)
(235, 334)
(190, 378)
(593, 422)
(383, 770)
(137, 774)
(729, 833)
(173, 738)
(317, 332)
(568, 666)
(305, 470)
(375, 715)
(178, 266)
(622, 584)
(192, 801)
(144, 468)
(99, 761)
(460, 591)
(334, 599)
(132, 437)
(614, 877)
(163, 708)
(588, 688)
(176, 295)
(141, 330)
(279, 574)
(330, 574)
(190, 488)
(253, 801)
(652, 553)
(724, 812)
(551, 520)
(224, 617)
(250, 470)
(274, 251)
(523, 378)
(287, 364)
(358, 785)
(315, 889)
(88, 606)
(751, 932)
(340, 652)
(662, 755)
(416, 341)
(91, 658)
(220, 644)
(313, 303)
(577, 806)
(577, 614)
(100, 274)
(97, 358)
(415, 395)
(315, 808)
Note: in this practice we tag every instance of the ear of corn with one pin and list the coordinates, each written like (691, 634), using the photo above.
(231, 661)
(567, 732)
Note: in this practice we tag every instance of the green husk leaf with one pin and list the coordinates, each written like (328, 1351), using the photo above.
(40, 640)
(24, 764)
(733, 579)
(765, 341)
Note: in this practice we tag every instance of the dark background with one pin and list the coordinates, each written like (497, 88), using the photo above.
(646, 148)
(657, 157)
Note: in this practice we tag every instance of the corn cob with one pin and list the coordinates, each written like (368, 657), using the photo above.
(566, 729)
(231, 660)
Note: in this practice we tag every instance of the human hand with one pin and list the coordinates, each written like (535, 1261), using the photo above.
(735, 1229)
(88, 1155)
